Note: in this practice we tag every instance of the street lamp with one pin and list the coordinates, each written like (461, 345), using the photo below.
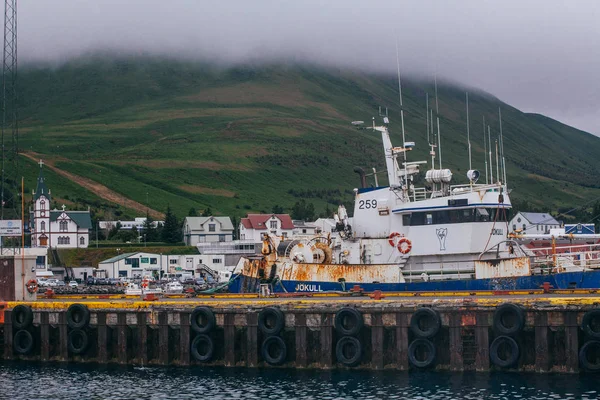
(144, 240)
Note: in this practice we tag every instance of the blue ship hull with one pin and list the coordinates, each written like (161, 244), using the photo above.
(565, 280)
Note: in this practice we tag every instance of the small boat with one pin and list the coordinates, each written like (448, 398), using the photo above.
(174, 288)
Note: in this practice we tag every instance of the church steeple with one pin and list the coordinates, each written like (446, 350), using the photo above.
(41, 189)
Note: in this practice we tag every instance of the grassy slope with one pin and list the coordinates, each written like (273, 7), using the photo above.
(238, 140)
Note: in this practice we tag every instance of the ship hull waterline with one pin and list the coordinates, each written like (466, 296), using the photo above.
(565, 280)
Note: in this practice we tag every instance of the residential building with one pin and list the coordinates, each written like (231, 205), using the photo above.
(255, 225)
(324, 225)
(532, 223)
(56, 228)
(207, 229)
(138, 223)
(303, 229)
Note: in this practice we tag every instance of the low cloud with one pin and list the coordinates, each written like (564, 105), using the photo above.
(536, 55)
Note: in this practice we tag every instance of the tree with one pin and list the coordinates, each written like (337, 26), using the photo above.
(171, 232)
(149, 229)
(596, 216)
(277, 209)
(303, 211)
(114, 231)
(328, 212)
(207, 212)
(135, 234)
(192, 212)
(236, 228)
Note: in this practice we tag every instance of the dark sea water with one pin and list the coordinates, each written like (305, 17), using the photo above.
(18, 381)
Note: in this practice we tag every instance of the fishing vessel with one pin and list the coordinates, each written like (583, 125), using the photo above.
(434, 237)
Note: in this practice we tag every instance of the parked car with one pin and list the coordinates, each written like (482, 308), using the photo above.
(189, 281)
(101, 281)
(200, 281)
(60, 283)
(210, 279)
(52, 282)
(90, 281)
(115, 281)
(73, 284)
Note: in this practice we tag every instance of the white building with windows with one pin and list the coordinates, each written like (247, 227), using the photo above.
(142, 264)
(56, 228)
(254, 225)
(303, 229)
(527, 222)
(137, 223)
(207, 229)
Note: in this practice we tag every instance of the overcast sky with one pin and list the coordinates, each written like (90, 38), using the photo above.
(540, 56)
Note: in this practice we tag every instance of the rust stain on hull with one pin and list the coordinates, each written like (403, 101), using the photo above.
(503, 268)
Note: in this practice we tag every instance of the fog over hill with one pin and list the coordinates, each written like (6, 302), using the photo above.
(160, 131)
(539, 56)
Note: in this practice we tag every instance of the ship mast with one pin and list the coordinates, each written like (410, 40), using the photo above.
(401, 116)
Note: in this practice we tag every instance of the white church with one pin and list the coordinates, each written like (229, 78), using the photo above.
(56, 228)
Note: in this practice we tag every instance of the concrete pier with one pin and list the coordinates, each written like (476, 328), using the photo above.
(540, 332)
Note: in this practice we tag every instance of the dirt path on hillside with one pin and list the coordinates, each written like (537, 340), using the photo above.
(95, 187)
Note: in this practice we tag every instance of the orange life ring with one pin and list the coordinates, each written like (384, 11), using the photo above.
(404, 246)
(392, 236)
(32, 286)
(145, 284)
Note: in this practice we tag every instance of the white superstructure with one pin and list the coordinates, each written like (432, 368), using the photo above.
(436, 229)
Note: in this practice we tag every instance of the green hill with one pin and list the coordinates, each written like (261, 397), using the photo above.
(242, 139)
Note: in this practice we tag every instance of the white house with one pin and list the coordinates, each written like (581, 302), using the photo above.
(324, 225)
(303, 229)
(207, 229)
(253, 226)
(527, 222)
(56, 228)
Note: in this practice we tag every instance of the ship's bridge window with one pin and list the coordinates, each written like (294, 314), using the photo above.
(454, 216)
(482, 214)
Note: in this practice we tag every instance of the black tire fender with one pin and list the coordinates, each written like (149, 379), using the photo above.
(348, 351)
(22, 316)
(202, 348)
(414, 347)
(591, 348)
(23, 342)
(509, 319)
(495, 356)
(78, 316)
(271, 321)
(432, 321)
(348, 321)
(202, 320)
(77, 341)
(274, 350)
(591, 324)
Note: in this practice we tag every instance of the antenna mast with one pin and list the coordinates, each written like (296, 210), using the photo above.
(427, 115)
(502, 146)
(437, 116)
(468, 133)
(490, 152)
(8, 190)
(497, 161)
(401, 115)
(485, 153)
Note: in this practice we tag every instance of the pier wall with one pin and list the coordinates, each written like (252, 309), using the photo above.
(557, 334)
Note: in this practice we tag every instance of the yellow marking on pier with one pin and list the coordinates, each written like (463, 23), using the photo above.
(403, 300)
